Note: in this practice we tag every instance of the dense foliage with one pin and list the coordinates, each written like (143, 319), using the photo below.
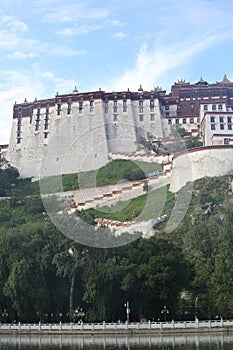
(46, 276)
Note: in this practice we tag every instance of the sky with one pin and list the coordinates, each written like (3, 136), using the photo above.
(50, 46)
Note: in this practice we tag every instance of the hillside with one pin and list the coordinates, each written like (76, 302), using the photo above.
(44, 273)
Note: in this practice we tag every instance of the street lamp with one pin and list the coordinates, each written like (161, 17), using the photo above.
(5, 315)
(80, 313)
(196, 306)
(165, 311)
(127, 311)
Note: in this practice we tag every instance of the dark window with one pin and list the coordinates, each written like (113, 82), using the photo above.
(69, 108)
(31, 114)
(80, 108)
(213, 107)
(106, 107)
(177, 121)
(115, 117)
(226, 141)
(152, 117)
(229, 126)
(141, 118)
(169, 121)
(212, 126)
(205, 107)
(184, 121)
(229, 119)
(167, 108)
(191, 120)
(221, 126)
(124, 106)
(221, 119)
(58, 109)
(220, 107)
(212, 119)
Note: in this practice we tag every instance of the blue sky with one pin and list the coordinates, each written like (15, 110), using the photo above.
(49, 46)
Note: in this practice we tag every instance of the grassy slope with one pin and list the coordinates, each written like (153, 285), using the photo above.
(112, 173)
(161, 201)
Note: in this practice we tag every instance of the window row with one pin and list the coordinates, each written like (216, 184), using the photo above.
(221, 126)
(141, 117)
(213, 107)
(183, 121)
(220, 119)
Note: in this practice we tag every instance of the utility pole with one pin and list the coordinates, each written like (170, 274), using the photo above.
(127, 311)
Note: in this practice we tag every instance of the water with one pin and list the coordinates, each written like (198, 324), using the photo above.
(160, 342)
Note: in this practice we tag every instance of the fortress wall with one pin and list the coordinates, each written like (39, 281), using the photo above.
(123, 127)
(148, 120)
(137, 156)
(75, 142)
(194, 164)
(120, 127)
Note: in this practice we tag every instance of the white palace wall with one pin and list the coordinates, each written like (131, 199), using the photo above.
(50, 143)
(74, 143)
(197, 163)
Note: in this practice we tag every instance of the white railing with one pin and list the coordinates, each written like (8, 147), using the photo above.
(89, 327)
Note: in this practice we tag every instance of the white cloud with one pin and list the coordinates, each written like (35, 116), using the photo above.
(66, 51)
(119, 35)
(17, 85)
(152, 64)
(73, 12)
(21, 55)
(14, 25)
(78, 30)
(113, 22)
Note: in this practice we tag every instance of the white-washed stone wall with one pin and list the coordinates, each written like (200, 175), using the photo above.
(197, 163)
(139, 156)
(75, 143)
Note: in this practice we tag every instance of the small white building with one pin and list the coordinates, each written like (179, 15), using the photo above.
(217, 128)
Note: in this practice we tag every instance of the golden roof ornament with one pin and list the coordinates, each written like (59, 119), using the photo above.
(226, 80)
(158, 88)
(181, 81)
(140, 88)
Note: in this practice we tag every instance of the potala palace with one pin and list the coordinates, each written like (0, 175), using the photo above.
(79, 131)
